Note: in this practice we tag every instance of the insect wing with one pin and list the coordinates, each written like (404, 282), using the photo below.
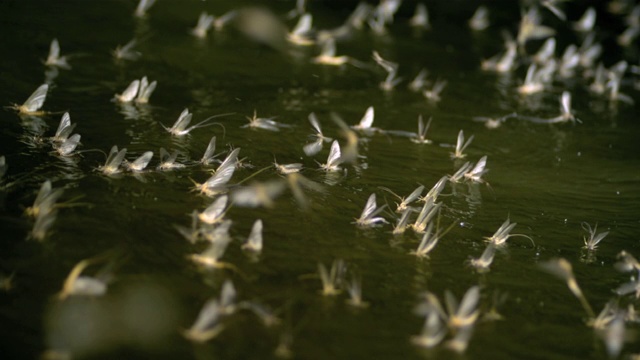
(36, 100)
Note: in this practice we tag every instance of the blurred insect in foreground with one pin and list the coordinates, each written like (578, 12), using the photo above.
(216, 184)
(493, 123)
(421, 136)
(433, 94)
(34, 102)
(169, 161)
(82, 285)
(143, 7)
(365, 123)
(314, 147)
(391, 68)
(562, 269)
(354, 288)
(205, 21)
(332, 280)
(480, 19)
(254, 241)
(285, 169)
(300, 33)
(420, 17)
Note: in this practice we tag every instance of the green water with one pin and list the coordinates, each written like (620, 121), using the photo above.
(547, 178)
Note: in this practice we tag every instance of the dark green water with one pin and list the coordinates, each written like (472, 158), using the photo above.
(547, 178)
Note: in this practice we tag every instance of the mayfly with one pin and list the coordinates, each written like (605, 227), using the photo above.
(54, 58)
(129, 94)
(214, 213)
(334, 160)
(562, 269)
(367, 120)
(493, 123)
(328, 54)
(254, 241)
(402, 223)
(296, 182)
(466, 313)
(354, 288)
(45, 200)
(476, 173)
(140, 163)
(420, 17)
(64, 129)
(34, 102)
(532, 82)
(502, 63)
(259, 194)
(461, 146)
(208, 324)
(421, 136)
(44, 222)
(350, 153)
(180, 128)
(480, 19)
(205, 21)
(217, 183)
(313, 148)
(210, 257)
(68, 146)
(168, 161)
(565, 109)
(114, 160)
(436, 190)
(530, 28)
(459, 174)
(503, 233)
(433, 94)
(332, 280)
(484, 261)
(391, 68)
(263, 123)
(369, 213)
(209, 156)
(429, 210)
(300, 33)
(433, 331)
(145, 90)
(127, 51)
(428, 242)
(591, 243)
(419, 82)
(286, 169)
(405, 201)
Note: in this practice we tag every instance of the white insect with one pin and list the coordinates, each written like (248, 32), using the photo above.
(263, 123)
(127, 51)
(369, 217)
(286, 169)
(259, 194)
(484, 261)
(466, 313)
(168, 161)
(205, 21)
(476, 173)
(421, 136)
(64, 129)
(435, 191)
(591, 243)
(391, 68)
(459, 174)
(254, 242)
(328, 54)
(180, 128)
(433, 331)
(419, 82)
(129, 94)
(405, 201)
(210, 257)
(565, 108)
(335, 158)
(34, 102)
(428, 242)
(45, 200)
(68, 146)
(587, 21)
(428, 211)
(139, 164)
(433, 94)
(222, 20)
(114, 160)
(503, 233)
(208, 323)
(214, 213)
(367, 120)
(79, 285)
(209, 156)
(562, 269)
(145, 90)
(403, 222)
(354, 288)
(217, 183)
(461, 146)
(54, 58)
(314, 147)
(332, 280)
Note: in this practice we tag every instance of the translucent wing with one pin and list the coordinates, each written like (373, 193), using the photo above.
(214, 212)
(303, 26)
(414, 195)
(469, 302)
(141, 163)
(64, 128)
(54, 51)
(145, 91)
(183, 121)
(207, 158)
(367, 119)
(369, 208)
(313, 148)
(254, 242)
(225, 170)
(36, 100)
(313, 119)
(130, 92)
(334, 154)
(67, 147)
(228, 294)
(566, 102)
